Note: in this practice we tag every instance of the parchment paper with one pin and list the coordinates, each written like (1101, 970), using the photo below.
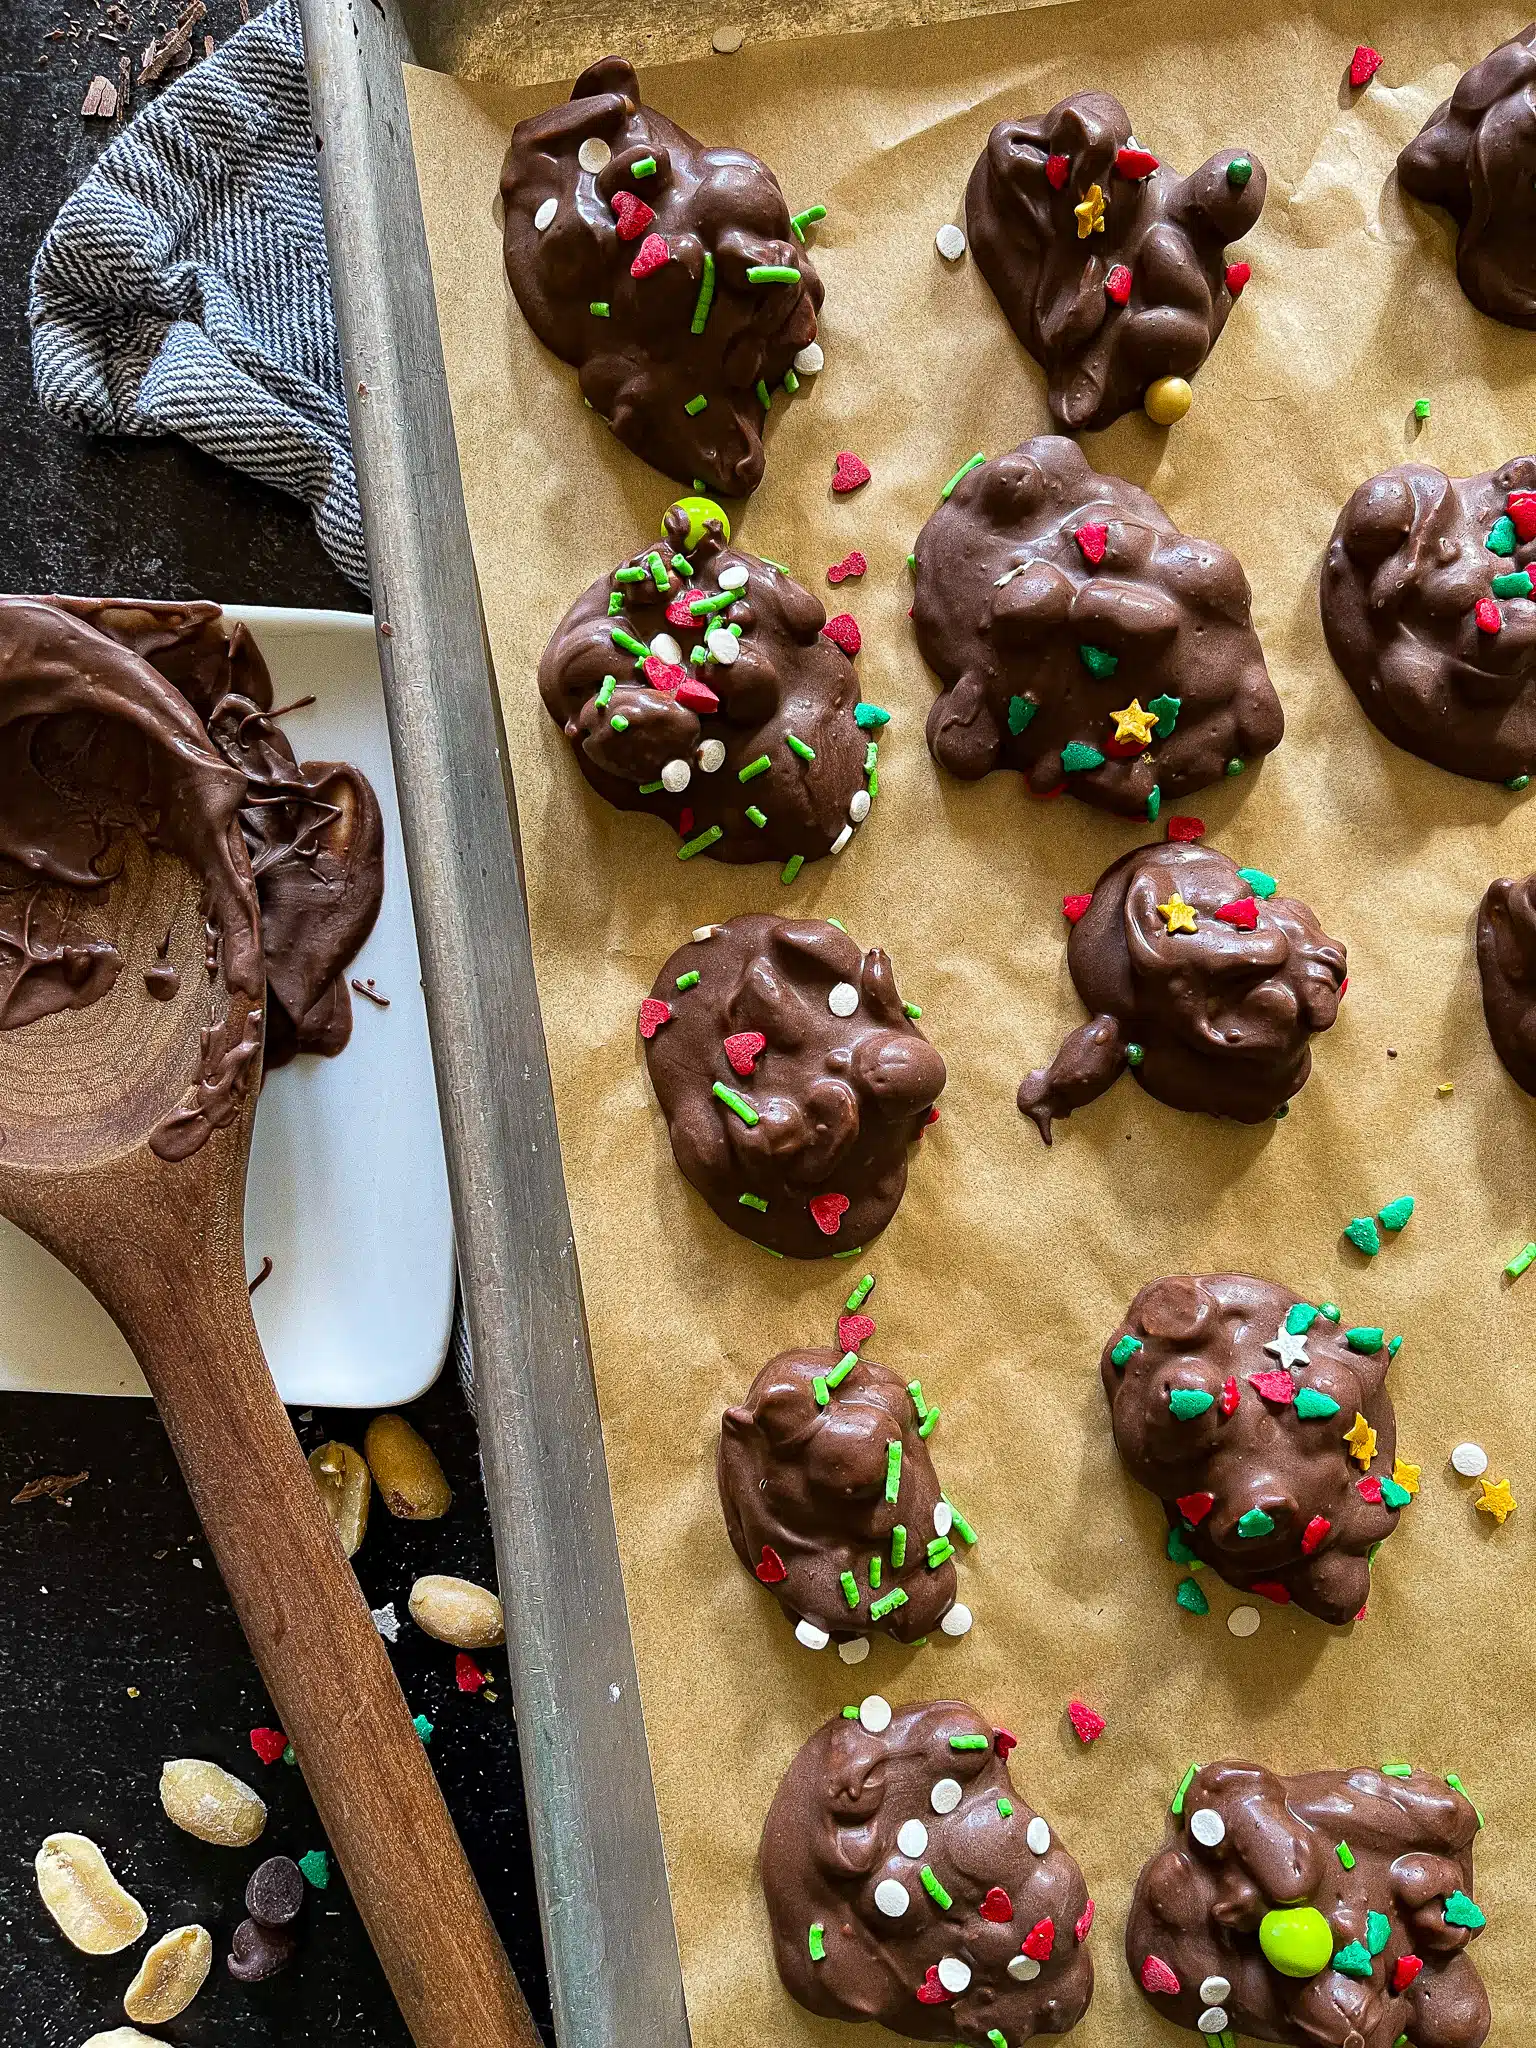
(1008, 1263)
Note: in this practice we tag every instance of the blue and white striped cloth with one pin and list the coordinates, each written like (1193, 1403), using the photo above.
(184, 287)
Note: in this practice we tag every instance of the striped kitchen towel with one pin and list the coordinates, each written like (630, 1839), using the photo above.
(184, 287)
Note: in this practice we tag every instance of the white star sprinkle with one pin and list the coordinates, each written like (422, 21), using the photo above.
(1290, 1349)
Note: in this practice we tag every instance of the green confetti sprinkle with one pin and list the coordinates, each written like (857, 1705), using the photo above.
(850, 1587)
(758, 767)
(599, 309)
(1345, 1854)
(796, 745)
(893, 1470)
(1261, 884)
(764, 395)
(861, 1293)
(772, 273)
(915, 1389)
(1518, 782)
(996, 2038)
(1378, 1932)
(695, 405)
(683, 568)
(1176, 1804)
(1313, 1405)
(631, 574)
(963, 1528)
(1501, 539)
(1395, 1214)
(850, 1713)
(316, 1866)
(1135, 1054)
(615, 604)
(689, 980)
(1076, 757)
(791, 382)
(1154, 804)
(940, 1550)
(290, 1758)
(898, 1546)
(753, 1202)
(1189, 1402)
(1330, 1309)
(1365, 1340)
(1354, 1960)
(650, 788)
(628, 642)
(706, 607)
(1516, 584)
(1363, 1234)
(817, 1943)
(1461, 1912)
(1097, 660)
(1299, 1318)
(658, 569)
(929, 1422)
(756, 817)
(643, 167)
(1179, 1551)
(423, 1727)
(1190, 1597)
(870, 715)
(1166, 710)
(1397, 1770)
(1020, 711)
(1005, 1807)
(619, 722)
(875, 1569)
(1522, 1259)
(1394, 1495)
(701, 306)
(1235, 766)
(1255, 1524)
(736, 1103)
(1421, 408)
(843, 1367)
(610, 684)
(1239, 171)
(887, 1604)
(964, 470)
(1125, 1350)
(799, 222)
(819, 1389)
(792, 867)
(969, 1742)
(912, 1010)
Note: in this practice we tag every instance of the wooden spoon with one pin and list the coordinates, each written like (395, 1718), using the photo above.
(160, 1244)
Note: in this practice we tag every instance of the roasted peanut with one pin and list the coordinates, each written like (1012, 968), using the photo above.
(91, 1907)
(170, 1976)
(457, 1611)
(209, 1803)
(407, 1474)
(345, 1487)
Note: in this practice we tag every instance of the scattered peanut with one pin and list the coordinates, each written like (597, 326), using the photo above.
(405, 1470)
(345, 1488)
(170, 1976)
(457, 1611)
(209, 1803)
(91, 1907)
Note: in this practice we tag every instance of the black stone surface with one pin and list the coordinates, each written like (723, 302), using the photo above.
(116, 1594)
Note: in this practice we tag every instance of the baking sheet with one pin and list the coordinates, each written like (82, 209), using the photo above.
(1007, 1264)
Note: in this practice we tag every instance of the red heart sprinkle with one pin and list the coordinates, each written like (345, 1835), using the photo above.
(1040, 1940)
(1087, 1726)
(653, 1014)
(1274, 1386)
(1314, 1533)
(268, 1743)
(827, 1212)
(1092, 539)
(665, 676)
(697, 696)
(653, 254)
(742, 1049)
(1271, 1590)
(850, 473)
(1369, 1489)
(1084, 1923)
(772, 1569)
(1072, 907)
(931, 1118)
(1194, 1507)
(1056, 169)
(1156, 1976)
(684, 821)
(467, 1674)
(678, 613)
(632, 214)
(1364, 64)
(1117, 285)
(852, 1331)
(1521, 507)
(1135, 163)
(1238, 275)
(852, 564)
(1231, 1394)
(1186, 828)
(1361, 1615)
(1404, 1970)
(844, 631)
(1004, 1743)
(1489, 618)
(1243, 912)
(996, 1906)
(931, 1991)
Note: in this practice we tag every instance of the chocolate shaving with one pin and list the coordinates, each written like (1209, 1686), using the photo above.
(264, 1274)
(174, 46)
(100, 99)
(56, 1486)
(366, 988)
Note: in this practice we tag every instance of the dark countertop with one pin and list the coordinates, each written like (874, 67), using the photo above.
(118, 1648)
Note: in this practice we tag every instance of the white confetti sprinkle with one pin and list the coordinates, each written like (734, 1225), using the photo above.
(1290, 1349)
(874, 1714)
(676, 776)
(387, 1622)
(1470, 1460)
(841, 840)
(1008, 575)
(726, 41)
(1038, 1836)
(810, 359)
(546, 214)
(723, 645)
(958, 1620)
(711, 756)
(954, 1974)
(858, 805)
(1243, 1621)
(733, 576)
(593, 153)
(814, 1638)
(855, 1650)
(665, 648)
(1023, 1969)
(701, 932)
(943, 1518)
(1207, 1827)
(912, 1839)
(843, 999)
(950, 242)
(1214, 1990)
(946, 1795)
(891, 1898)
(1213, 2020)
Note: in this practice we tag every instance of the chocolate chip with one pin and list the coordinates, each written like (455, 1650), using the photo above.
(258, 1952)
(275, 1893)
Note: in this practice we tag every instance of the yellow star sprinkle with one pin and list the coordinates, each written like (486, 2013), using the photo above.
(1361, 1439)
(1178, 915)
(1496, 1500)
(1133, 723)
(1090, 213)
(1405, 1475)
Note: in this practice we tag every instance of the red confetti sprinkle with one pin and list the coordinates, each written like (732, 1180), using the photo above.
(849, 474)
(1072, 907)
(1343, 988)
(1364, 64)
(932, 1116)
(653, 1014)
(1361, 1615)
(1040, 1940)
(844, 632)
(1231, 1394)
(771, 1568)
(827, 1212)
(1087, 1726)
(1271, 1590)
(1244, 913)
(665, 676)
(1046, 795)
(269, 1744)
(632, 214)
(996, 1906)
(742, 1049)
(1004, 1743)
(1238, 275)
(1314, 1533)
(1056, 169)
(1117, 285)
(467, 1673)
(1521, 507)
(852, 564)
(653, 254)
(1404, 1970)
(1369, 1489)
(697, 696)
(1489, 618)
(1186, 828)
(1274, 1386)
(1092, 539)
(1156, 1976)
(852, 1331)
(1135, 163)
(1122, 750)
(678, 613)
(1084, 1922)
(931, 1991)
(684, 816)
(1194, 1507)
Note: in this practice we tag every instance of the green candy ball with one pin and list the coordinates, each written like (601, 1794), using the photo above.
(700, 511)
(1296, 1940)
